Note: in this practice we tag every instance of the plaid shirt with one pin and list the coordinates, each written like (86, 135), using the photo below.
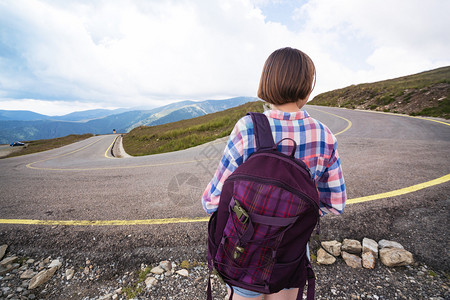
(317, 148)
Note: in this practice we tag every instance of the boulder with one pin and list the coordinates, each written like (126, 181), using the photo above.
(394, 257)
(368, 260)
(351, 246)
(41, 278)
(351, 260)
(369, 245)
(389, 244)
(332, 247)
(324, 258)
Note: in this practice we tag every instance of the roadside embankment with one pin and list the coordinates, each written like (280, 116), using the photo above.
(117, 148)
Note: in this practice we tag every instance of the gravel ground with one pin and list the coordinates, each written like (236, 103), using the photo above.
(337, 281)
(115, 265)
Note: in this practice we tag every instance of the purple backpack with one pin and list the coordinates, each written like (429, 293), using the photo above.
(267, 212)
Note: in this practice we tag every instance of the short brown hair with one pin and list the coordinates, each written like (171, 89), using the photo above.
(288, 76)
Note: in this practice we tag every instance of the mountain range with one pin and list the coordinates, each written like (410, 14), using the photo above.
(27, 125)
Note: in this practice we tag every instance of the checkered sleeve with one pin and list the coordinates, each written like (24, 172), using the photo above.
(331, 186)
(233, 156)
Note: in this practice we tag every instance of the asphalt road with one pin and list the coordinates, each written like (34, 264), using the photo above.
(379, 153)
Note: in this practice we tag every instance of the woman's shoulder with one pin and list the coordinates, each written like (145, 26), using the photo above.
(321, 126)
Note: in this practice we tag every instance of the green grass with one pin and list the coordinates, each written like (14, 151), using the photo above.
(184, 134)
(44, 145)
(442, 110)
(393, 93)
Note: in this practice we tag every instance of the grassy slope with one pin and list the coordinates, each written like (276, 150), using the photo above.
(426, 93)
(43, 145)
(186, 133)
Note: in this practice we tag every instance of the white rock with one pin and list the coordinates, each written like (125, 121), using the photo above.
(55, 263)
(157, 270)
(69, 274)
(324, 258)
(150, 282)
(332, 247)
(183, 272)
(370, 245)
(389, 244)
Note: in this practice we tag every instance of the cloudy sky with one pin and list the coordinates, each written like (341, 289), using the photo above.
(62, 56)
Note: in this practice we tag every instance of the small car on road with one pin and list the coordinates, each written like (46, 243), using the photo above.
(14, 144)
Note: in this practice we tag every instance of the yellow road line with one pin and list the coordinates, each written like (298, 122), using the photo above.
(349, 123)
(390, 194)
(110, 146)
(102, 223)
(399, 115)
(127, 167)
(403, 191)
(30, 164)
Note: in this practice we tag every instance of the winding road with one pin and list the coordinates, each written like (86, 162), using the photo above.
(394, 160)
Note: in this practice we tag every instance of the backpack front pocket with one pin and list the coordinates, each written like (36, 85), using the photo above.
(248, 248)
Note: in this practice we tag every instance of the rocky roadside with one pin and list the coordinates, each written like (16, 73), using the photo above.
(60, 278)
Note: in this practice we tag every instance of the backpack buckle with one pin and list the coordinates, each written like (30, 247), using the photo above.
(237, 252)
(239, 211)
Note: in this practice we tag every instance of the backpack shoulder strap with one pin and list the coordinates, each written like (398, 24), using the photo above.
(263, 133)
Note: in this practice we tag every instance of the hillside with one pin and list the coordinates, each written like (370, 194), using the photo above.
(25, 125)
(145, 140)
(424, 94)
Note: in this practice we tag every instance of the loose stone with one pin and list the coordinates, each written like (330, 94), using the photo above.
(157, 270)
(394, 257)
(55, 263)
(8, 261)
(332, 247)
(8, 268)
(150, 282)
(3, 250)
(351, 246)
(27, 274)
(69, 274)
(351, 260)
(324, 258)
(41, 278)
(368, 260)
(389, 244)
(370, 245)
(166, 265)
(183, 272)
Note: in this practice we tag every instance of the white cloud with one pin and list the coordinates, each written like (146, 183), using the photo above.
(129, 53)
